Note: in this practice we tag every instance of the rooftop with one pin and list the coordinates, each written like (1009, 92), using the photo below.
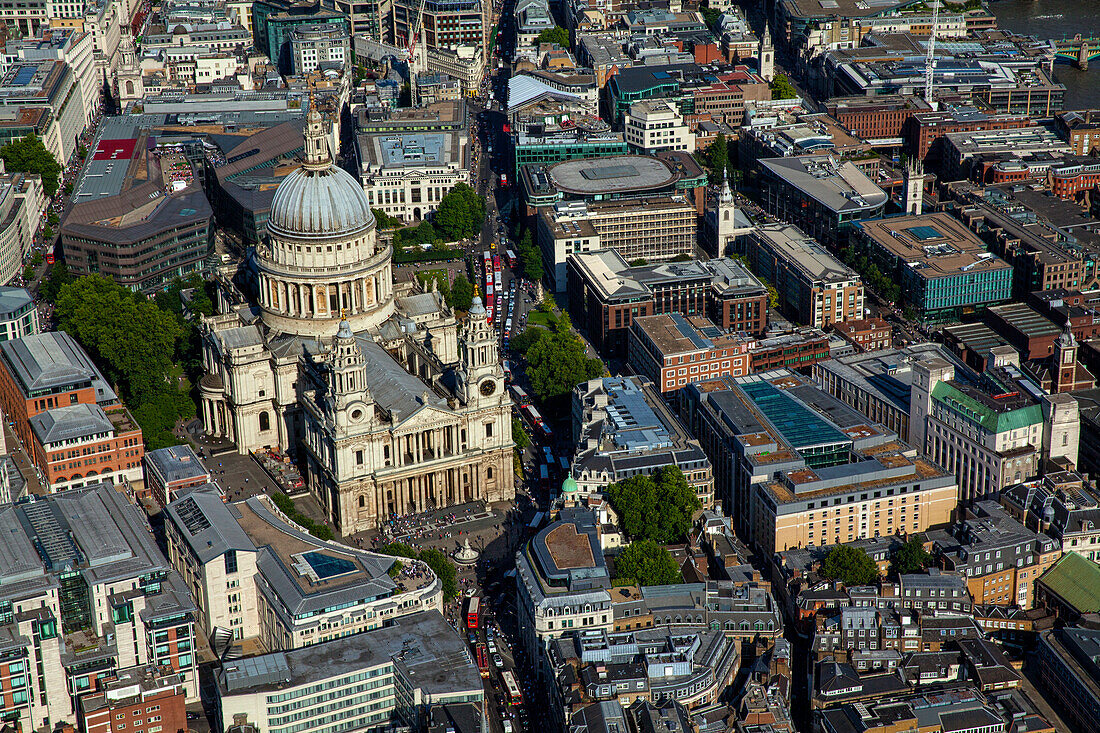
(934, 245)
(307, 574)
(610, 176)
(50, 361)
(568, 554)
(71, 422)
(801, 252)
(176, 463)
(93, 531)
(13, 299)
(425, 650)
(675, 334)
(1076, 581)
(837, 185)
(608, 272)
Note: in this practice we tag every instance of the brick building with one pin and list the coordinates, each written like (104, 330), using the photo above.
(605, 295)
(866, 334)
(136, 700)
(674, 351)
(799, 349)
(75, 428)
(924, 129)
(880, 119)
(814, 287)
(1000, 558)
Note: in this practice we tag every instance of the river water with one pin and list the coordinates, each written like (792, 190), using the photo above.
(1047, 19)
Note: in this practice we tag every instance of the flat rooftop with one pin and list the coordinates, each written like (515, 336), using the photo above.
(812, 9)
(803, 253)
(425, 649)
(935, 245)
(837, 185)
(675, 334)
(176, 463)
(614, 175)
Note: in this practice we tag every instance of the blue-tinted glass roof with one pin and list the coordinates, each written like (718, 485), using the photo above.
(327, 566)
(925, 232)
(799, 427)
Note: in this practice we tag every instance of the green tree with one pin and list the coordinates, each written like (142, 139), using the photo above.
(782, 88)
(556, 360)
(910, 557)
(52, 219)
(641, 261)
(683, 257)
(384, 220)
(28, 273)
(710, 16)
(460, 213)
(443, 568)
(850, 565)
(530, 258)
(137, 344)
(657, 506)
(557, 35)
(773, 296)
(37, 259)
(399, 549)
(462, 292)
(647, 563)
(717, 157)
(56, 278)
(519, 435)
(29, 155)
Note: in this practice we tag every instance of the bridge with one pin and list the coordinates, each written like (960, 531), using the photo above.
(1076, 50)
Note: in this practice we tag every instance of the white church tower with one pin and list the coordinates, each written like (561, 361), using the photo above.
(766, 55)
(913, 182)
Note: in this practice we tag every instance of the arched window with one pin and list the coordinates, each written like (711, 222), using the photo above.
(489, 472)
(726, 216)
(265, 422)
(362, 501)
(129, 88)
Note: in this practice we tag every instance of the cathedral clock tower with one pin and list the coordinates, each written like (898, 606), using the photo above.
(480, 358)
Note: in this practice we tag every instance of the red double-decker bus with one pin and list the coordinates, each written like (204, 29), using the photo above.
(473, 612)
(483, 660)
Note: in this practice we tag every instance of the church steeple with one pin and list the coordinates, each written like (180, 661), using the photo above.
(1064, 371)
(726, 196)
(317, 152)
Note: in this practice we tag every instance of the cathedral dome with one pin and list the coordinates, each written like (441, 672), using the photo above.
(319, 199)
(320, 202)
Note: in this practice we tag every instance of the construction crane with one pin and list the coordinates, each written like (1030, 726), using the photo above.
(930, 60)
(414, 61)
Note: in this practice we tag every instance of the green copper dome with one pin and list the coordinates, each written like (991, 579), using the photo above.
(569, 485)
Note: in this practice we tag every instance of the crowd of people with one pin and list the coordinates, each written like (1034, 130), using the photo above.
(427, 526)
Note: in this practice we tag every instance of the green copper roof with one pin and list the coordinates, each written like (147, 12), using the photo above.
(1076, 581)
(990, 419)
(569, 485)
